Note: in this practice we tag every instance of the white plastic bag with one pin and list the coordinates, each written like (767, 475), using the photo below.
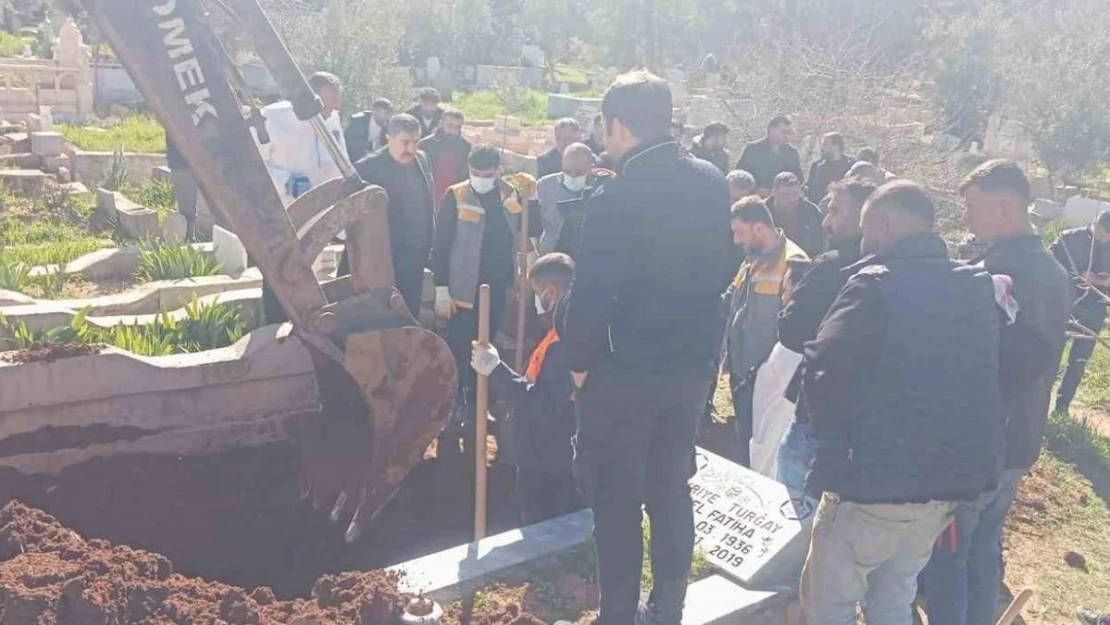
(771, 412)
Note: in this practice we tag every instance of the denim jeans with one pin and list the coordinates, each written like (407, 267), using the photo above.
(634, 450)
(868, 554)
(962, 583)
(795, 456)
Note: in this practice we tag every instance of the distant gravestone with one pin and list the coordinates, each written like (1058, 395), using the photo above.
(749, 526)
(174, 228)
(47, 143)
(229, 251)
(433, 67)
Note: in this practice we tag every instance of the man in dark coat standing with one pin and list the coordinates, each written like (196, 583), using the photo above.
(799, 218)
(834, 164)
(366, 131)
(642, 330)
(771, 155)
(567, 131)
(406, 176)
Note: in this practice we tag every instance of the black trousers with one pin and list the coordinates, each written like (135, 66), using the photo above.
(462, 329)
(1092, 317)
(541, 495)
(635, 449)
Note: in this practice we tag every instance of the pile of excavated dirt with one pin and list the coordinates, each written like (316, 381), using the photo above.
(49, 352)
(51, 575)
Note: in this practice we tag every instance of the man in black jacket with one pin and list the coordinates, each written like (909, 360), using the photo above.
(567, 131)
(366, 131)
(642, 329)
(810, 300)
(903, 389)
(834, 164)
(405, 175)
(710, 146)
(771, 155)
(799, 218)
(964, 575)
(427, 110)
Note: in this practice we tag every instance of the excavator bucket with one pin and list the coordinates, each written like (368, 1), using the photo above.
(386, 385)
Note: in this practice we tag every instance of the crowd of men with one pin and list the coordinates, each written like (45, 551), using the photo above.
(904, 392)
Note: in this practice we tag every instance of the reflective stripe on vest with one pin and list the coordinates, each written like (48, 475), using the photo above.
(466, 249)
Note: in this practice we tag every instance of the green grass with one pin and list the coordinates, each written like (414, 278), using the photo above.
(10, 45)
(530, 106)
(135, 133)
(153, 194)
(204, 327)
(160, 261)
(16, 231)
(56, 253)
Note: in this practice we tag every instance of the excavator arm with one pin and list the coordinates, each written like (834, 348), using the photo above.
(386, 386)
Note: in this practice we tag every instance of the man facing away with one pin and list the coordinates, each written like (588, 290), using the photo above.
(405, 175)
(1085, 254)
(710, 146)
(366, 130)
(427, 110)
(295, 157)
(811, 298)
(569, 184)
(799, 218)
(753, 301)
(964, 575)
(834, 164)
(541, 414)
(741, 184)
(902, 384)
(642, 328)
(477, 235)
(447, 152)
(771, 155)
(550, 162)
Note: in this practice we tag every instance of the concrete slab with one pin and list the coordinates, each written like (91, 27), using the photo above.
(29, 182)
(54, 164)
(717, 600)
(247, 394)
(47, 143)
(22, 160)
(105, 264)
(449, 573)
(75, 188)
(174, 228)
(92, 167)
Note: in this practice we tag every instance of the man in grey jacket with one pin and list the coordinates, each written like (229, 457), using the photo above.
(560, 187)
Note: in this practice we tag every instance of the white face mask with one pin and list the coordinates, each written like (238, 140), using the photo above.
(574, 183)
(482, 185)
(540, 308)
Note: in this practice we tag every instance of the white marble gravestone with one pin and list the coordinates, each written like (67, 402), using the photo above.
(750, 527)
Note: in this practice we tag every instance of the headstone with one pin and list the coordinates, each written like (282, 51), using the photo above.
(11, 21)
(66, 178)
(71, 45)
(749, 526)
(1081, 211)
(34, 123)
(534, 55)
(47, 143)
(160, 174)
(229, 251)
(18, 142)
(174, 228)
(433, 67)
(46, 118)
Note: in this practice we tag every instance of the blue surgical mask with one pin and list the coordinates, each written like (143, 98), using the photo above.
(482, 186)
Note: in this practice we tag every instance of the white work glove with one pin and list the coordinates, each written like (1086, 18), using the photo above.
(484, 359)
(445, 306)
